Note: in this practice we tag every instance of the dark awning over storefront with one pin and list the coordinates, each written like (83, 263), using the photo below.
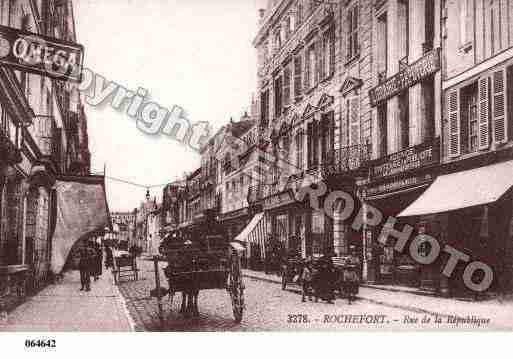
(464, 189)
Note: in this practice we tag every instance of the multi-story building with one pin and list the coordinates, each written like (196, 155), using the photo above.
(469, 206)
(235, 150)
(43, 134)
(314, 61)
(141, 237)
(405, 111)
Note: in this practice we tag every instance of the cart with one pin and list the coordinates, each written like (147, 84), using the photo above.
(347, 278)
(291, 270)
(210, 262)
(125, 266)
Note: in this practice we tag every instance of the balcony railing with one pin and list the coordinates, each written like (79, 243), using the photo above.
(346, 160)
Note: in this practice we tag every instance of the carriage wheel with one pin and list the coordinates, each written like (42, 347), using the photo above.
(236, 288)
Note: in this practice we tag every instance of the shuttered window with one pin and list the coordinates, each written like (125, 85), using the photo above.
(499, 105)
(484, 113)
(264, 108)
(299, 150)
(298, 86)
(352, 32)
(353, 120)
(278, 96)
(286, 86)
(313, 144)
(453, 109)
(310, 68)
(327, 136)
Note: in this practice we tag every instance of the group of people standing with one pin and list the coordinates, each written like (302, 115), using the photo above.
(89, 263)
(319, 281)
(323, 279)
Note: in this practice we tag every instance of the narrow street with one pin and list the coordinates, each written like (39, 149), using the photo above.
(270, 308)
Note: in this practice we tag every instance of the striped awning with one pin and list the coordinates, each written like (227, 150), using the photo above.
(254, 232)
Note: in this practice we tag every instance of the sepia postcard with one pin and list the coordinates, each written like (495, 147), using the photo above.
(255, 165)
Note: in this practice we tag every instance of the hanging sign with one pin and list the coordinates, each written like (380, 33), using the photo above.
(42, 55)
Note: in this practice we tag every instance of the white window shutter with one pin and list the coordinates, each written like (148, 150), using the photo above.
(453, 109)
(484, 114)
(354, 121)
(499, 105)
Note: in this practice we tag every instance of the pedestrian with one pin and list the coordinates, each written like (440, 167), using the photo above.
(325, 280)
(306, 281)
(98, 259)
(109, 258)
(85, 263)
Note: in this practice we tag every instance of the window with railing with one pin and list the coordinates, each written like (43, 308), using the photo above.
(313, 144)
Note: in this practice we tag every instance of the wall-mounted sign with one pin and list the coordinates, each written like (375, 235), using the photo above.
(420, 69)
(279, 199)
(42, 55)
(398, 184)
(416, 157)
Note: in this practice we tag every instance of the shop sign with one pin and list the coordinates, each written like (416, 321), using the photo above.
(399, 184)
(413, 158)
(420, 69)
(279, 199)
(234, 214)
(42, 55)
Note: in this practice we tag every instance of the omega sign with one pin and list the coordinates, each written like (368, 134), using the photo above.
(41, 55)
(420, 69)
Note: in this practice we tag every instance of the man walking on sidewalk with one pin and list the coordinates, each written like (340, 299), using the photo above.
(85, 265)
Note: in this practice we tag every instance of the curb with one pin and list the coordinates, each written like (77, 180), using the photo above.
(124, 307)
(379, 302)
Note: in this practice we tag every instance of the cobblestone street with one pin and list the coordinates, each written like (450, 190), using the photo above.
(268, 308)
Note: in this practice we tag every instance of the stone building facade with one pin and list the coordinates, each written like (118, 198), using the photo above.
(43, 134)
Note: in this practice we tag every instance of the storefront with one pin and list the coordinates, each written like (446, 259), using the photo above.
(234, 222)
(396, 181)
(475, 218)
(299, 228)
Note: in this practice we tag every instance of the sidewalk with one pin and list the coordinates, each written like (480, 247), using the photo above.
(500, 313)
(63, 307)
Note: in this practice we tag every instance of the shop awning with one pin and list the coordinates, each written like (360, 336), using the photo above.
(244, 235)
(463, 189)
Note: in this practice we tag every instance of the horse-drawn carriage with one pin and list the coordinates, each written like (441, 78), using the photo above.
(209, 262)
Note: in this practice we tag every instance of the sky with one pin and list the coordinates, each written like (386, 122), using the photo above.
(196, 54)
